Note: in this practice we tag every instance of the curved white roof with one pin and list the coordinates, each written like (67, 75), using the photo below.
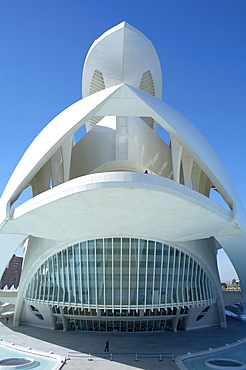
(121, 100)
(123, 54)
(164, 201)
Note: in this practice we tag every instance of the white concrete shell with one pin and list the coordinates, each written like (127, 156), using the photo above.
(122, 101)
(114, 198)
(122, 55)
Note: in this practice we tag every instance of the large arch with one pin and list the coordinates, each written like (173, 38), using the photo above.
(121, 100)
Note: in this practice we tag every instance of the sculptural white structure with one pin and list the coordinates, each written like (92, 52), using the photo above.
(120, 233)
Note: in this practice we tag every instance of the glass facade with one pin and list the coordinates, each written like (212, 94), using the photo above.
(121, 274)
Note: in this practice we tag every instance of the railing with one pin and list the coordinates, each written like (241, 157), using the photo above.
(159, 356)
(110, 356)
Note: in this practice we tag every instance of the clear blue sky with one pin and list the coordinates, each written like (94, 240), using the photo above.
(201, 45)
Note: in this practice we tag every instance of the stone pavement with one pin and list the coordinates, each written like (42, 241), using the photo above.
(123, 346)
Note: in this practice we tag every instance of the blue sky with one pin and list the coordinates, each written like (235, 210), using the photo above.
(201, 45)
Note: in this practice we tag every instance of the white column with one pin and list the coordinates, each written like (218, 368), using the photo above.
(55, 163)
(121, 138)
(187, 163)
(66, 157)
(203, 182)
(207, 187)
(196, 175)
(176, 151)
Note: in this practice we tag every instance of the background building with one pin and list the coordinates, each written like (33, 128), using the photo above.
(121, 232)
(12, 273)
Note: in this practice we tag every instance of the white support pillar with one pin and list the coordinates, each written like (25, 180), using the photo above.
(196, 175)
(34, 186)
(176, 150)
(187, 164)
(175, 321)
(46, 171)
(64, 320)
(203, 181)
(66, 157)
(207, 187)
(121, 138)
(39, 182)
(55, 163)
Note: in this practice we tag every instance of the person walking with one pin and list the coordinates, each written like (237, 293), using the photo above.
(106, 349)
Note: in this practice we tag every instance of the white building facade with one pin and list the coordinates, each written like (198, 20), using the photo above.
(121, 233)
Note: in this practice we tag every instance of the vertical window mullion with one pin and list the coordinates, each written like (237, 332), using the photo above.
(68, 279)
(195, 275)
(35, 285)
(161, 272)
(191, 282)
(183, 275)
(120, 274)
(104, 278)
(45, 279)
(40, 284)
(199, 285)
(31, 295)
(178, 285)
(202, 286)
(173, 274)
(80, 277)
(58, 279)
(95, 256)
(210, 290)
(49, 279)
(146, 275)
(52, 277)
(74, 278)
(63, 281)
(129, 290)
(112, 275)
(88, 278)
(205, 288)
(167, 274)
(187, 282)
(153, 280)
(138, 273)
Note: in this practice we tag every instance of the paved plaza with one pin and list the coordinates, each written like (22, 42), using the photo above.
(123, 346)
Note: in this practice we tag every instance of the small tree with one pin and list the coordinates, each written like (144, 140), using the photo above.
(234, 282)
(223, 286)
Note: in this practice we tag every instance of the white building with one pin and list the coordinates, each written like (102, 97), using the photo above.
(121, 233)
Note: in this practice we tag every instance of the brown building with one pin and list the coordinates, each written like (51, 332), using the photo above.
(12, 273)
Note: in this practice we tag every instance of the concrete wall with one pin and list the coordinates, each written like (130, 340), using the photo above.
(28, 316)
(92, 151)
(141, 144)
(148, 149)
(205, 253)
(211, 318)
(37, 250)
